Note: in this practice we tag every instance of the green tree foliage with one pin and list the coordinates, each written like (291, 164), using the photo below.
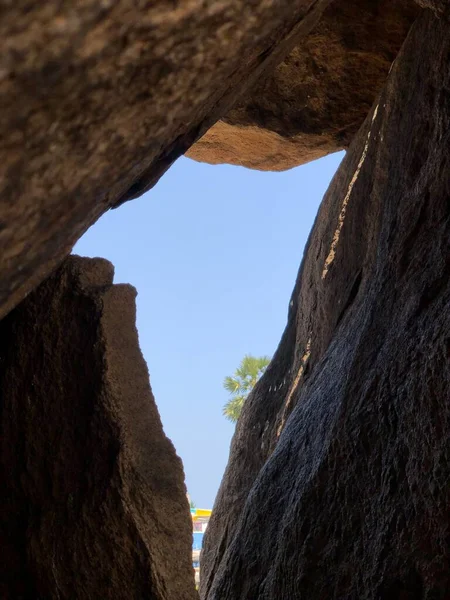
(241, 384)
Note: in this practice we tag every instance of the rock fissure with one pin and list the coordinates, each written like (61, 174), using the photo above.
(341, 218)
(294, 387)
(336, 486)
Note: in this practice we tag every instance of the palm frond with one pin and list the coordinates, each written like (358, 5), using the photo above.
(241, 383)
(233, 408)
(231, 384)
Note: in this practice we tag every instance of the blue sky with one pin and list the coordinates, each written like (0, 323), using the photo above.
(213, 252)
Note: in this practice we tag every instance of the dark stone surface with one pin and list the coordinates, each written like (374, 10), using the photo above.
(98, 98)
(93, 503)
(338, 481)
(437, 6)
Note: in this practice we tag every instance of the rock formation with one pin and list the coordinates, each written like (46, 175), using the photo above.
(337, 484)
(93, 502)
(98, 99)
(315, 100)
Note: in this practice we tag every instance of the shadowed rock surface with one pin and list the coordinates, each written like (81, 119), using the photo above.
(337, 484)
(98, 98)
(93, 502)
(318, 97)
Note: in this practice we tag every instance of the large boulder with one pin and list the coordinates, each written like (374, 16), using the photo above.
(93, 502)
(337, 484)
(98, 98)
(318, 97)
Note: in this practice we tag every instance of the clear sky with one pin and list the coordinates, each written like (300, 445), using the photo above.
(213, 252)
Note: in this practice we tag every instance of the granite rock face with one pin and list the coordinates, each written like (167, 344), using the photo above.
(93, 501)
(337, 484)
(315, 100)
(98, 98)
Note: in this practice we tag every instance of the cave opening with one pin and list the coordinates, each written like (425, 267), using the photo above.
(213, 252)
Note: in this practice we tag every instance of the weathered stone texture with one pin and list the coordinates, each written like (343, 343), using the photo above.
(338, 480)
(438, 6)
(98, 98)
(93, 502)
(318, 97)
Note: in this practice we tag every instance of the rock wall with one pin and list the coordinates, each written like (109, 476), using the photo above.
(314, 101)
(93, 502)
(337, 483)
(98, 98)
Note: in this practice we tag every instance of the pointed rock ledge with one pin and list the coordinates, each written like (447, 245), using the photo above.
(315, 101)
(338, 480)
(93, 501)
